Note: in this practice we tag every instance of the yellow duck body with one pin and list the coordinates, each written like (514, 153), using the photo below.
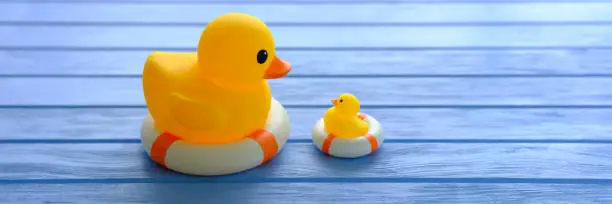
(342, 121)
(219, 93)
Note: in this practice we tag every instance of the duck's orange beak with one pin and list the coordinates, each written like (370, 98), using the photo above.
(278, 68)
(335, 101)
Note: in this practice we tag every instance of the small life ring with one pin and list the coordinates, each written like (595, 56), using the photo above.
(218, 159)
(349, 147)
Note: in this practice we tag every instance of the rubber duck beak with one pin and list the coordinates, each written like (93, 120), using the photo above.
(278, 68)
(335, 101)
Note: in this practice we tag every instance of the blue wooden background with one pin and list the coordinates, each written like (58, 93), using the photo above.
(482, 101)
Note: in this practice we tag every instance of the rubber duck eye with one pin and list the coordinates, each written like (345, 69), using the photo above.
(262, 56)
(340, 100)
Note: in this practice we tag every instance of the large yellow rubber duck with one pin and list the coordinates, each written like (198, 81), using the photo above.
(219, 93)
(342, 121)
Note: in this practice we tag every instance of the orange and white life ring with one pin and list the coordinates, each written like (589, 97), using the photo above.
(349, 147)
(218, 159)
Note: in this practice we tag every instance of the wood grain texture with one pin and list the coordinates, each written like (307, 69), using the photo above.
(76, 155)
(406, 124)
(303, 160)
(310, 63)
(309, 91)
(308, 37)
(303, 2)
(326, 13)
(320, 193)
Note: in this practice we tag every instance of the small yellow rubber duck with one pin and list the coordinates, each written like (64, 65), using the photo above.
(219, 93)
(342, 121)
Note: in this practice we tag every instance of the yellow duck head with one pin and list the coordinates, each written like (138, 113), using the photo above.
(347, 104)
(238, 49)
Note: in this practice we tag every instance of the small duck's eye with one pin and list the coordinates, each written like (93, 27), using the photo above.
(262, 56)
(340, 100)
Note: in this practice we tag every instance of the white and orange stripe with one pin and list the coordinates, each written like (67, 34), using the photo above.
(345, 147)
(201, 159)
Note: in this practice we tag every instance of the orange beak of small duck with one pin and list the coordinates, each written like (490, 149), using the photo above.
(335, 101)
(278, 68)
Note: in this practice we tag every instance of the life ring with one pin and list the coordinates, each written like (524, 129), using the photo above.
(218, 159)
(349, 148)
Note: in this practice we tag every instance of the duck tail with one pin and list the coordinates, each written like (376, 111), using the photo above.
(363, 126)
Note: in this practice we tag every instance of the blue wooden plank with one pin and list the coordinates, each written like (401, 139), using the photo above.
(345, 63)
(431, 163)
(320, 193)
(319, 91)
(309, 37)
(306, 2)
(326, 13)
(402, 125)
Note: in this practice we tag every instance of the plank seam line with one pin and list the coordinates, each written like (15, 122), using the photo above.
(325, 106)
(318, 49)
(585, 75)
(308, 24)
(298, 141)
(492, 180)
